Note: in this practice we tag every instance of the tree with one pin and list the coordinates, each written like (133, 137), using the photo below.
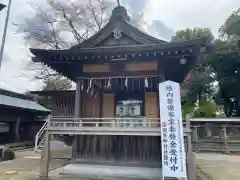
(199, 84)
(231, 27)
(226, 63)
(189, 34)
(57, 83)
(62, 24)
(206, 109)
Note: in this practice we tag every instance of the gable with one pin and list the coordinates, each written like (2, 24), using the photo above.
(118, 33)
(112, 41)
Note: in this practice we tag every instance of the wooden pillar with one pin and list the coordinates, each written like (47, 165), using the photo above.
(17, 129)
(101, 94)
(162, 79)
(191, 161)
(195, 137)
(208, 130)
(45, 155)
(77, 108)
(77, 114)
(225, 138)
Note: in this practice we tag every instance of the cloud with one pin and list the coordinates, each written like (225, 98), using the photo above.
(153, 26)
(182, 14)
(158, 29)
(135, 6)
(13, 74)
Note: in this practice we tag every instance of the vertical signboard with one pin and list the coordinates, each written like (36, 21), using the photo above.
(173, 153)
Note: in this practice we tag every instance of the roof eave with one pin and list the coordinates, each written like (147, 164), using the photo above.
(180, 44)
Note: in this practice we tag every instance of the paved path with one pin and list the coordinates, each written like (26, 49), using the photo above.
(219, 166)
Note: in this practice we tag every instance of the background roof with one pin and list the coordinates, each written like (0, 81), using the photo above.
(8, 98)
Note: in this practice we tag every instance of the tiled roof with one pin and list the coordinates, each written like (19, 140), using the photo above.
(8, 98)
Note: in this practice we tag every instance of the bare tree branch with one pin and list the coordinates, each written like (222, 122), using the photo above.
(60, 25)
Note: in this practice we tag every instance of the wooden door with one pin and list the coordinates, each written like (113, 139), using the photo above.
(91, 108)
(108, 106)
(151, 110)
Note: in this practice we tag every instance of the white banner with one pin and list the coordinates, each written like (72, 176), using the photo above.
(172, 139)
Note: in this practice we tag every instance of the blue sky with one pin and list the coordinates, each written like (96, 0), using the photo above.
(170, 15)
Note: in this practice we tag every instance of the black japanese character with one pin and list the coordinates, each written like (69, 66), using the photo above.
(164, 129)
(170, 101)
(165, 152)
(169, 88)
(166, 163)
(165, 157)
(173, 152)
(164, 135)
(174, 167)
(172, 128)
(173, 144)
(171, 122)
(171, 114)
(165, 146)
(173, 159)
(172, 136)
(170, 108)
(165, 140)
(170, 94)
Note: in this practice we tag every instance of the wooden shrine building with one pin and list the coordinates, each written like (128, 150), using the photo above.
(20, 117)
(114, 113)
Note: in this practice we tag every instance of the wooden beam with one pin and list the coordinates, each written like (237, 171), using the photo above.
(130, 59)
(122, 74)
(108, 58)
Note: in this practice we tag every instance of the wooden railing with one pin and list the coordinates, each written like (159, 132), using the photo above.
(117, 122)
(232, 146)
(40, 135)
(140, 126)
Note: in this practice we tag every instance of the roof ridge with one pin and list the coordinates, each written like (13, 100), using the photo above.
(15, 94)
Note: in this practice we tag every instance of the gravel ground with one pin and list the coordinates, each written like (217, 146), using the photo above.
(219, 166)
(26, 165)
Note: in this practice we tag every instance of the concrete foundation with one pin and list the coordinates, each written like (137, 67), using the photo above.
(90, 172)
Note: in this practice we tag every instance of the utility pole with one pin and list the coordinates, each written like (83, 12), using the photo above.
(5, 32)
